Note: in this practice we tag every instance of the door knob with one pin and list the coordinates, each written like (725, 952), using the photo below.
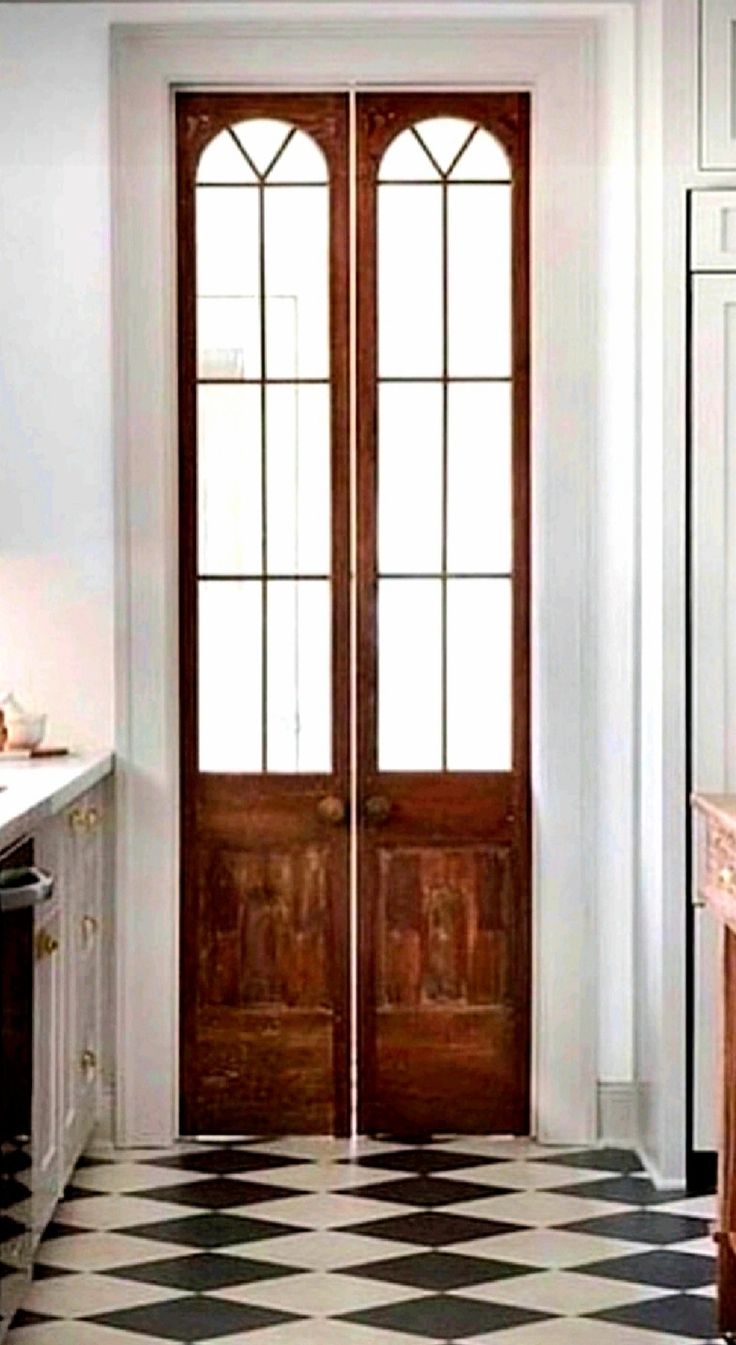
(332, 809)
(376, 809)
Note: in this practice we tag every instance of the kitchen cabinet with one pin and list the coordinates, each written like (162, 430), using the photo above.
(67, 988)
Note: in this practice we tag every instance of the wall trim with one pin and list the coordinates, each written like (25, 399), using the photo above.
(558, 62)
(618, 1119)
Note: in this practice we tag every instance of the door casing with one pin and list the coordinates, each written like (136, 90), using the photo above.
(556, 61)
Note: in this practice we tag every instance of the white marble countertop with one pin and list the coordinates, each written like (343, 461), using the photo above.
(31, 791)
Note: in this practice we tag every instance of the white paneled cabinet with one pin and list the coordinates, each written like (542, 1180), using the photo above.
(713, 588)
(67, 989)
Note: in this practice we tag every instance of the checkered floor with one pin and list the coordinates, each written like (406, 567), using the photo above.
(323, 1242)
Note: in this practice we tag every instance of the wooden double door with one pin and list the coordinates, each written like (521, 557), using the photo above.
(354, 560)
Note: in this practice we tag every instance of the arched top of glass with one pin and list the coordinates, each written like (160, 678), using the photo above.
(446, 149)
(261, 150)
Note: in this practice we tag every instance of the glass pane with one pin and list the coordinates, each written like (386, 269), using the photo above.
(485, 158)
(301, 161)
(222, 161)
(479, 280)
(299, 680)
(409, 281)
(479, 696)
(228, 334)
(406, 160)
(262, 138)
(227, 242)
(230, 677)
(444, 138)
(297, 282)
(410, 477)
(227, 338)
(479, 509)
(409, 675)
(298, 479)
(229, 479)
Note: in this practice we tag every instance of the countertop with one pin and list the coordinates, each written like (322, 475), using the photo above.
(35, 790)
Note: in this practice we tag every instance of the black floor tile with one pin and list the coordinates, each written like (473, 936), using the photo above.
(201, 1271)
(665, 1269)
(429, 1191)
(445, 1318)
(608, 1160)
(679, 1315)
(225, 1160)
(627, 1190)
(41, 1272)
(438, 1270)
(431, 1228)
(219, 1193)
(89, 1161)
(420, 1160)
(194, 1318)
(212, 1230)
(23, 1318)
(643, 1226)
(73, 1192)
(57, 1229)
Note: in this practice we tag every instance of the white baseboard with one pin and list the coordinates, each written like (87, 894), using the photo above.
(618, 1114)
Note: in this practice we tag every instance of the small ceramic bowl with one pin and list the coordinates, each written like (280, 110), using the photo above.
(25, 731)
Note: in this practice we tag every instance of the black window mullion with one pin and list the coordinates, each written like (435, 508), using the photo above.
(264, 474)
(445, 400)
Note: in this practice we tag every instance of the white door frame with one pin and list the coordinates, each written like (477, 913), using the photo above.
(560, 61)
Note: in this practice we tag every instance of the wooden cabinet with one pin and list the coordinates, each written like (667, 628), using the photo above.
(716, 879)
(67, 990)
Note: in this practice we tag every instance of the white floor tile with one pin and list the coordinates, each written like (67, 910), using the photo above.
(102, 1250)
(499, 1147)
(329, 1333)
(698, 1207)
(321, 1250)
(526, 1175)
(121, 1177)
(116, 1211)
(326, 1176)
(537, 1208)
(323, 1210)
(80, 1333)
(551, 1247)
(562, 1292)
(572, 1331)
(84, 1295)
(319, 1293)
(324, 1147)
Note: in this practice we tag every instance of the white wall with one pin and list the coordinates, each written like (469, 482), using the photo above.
(56, 466)
(56, 517)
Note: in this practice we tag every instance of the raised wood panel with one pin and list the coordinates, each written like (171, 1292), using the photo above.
(264, 925)
(443, 927)
(717, 84)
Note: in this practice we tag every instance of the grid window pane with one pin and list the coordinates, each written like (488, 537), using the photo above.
(409, 281)
(298, 475)
(479, 674)
(229, 479)
(479, 512)
(299, 681)
(409, 674)
(409, 477)
(479, 280)
(229, 677)
(297, 284)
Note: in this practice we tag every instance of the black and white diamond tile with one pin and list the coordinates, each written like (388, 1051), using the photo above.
(297, 1241)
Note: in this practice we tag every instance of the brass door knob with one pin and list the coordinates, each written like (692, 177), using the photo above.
(332, 809)
(376, 809)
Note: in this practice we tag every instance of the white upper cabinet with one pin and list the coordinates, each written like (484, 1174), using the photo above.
(718, 85)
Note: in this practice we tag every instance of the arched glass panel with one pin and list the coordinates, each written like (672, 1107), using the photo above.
(444, 306)
(263, 450)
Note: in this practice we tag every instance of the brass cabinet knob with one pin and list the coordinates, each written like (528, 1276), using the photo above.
(332, 809)
(94, 817)
(78, 819)
(376, 809)
(46, 944)
(726, 876)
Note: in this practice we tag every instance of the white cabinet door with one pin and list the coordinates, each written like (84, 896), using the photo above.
(47, 1029)
(82, 866)
(713, 629)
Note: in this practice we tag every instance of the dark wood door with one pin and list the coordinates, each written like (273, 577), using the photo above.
(443, 700)
(263, 308)
(437, 788)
